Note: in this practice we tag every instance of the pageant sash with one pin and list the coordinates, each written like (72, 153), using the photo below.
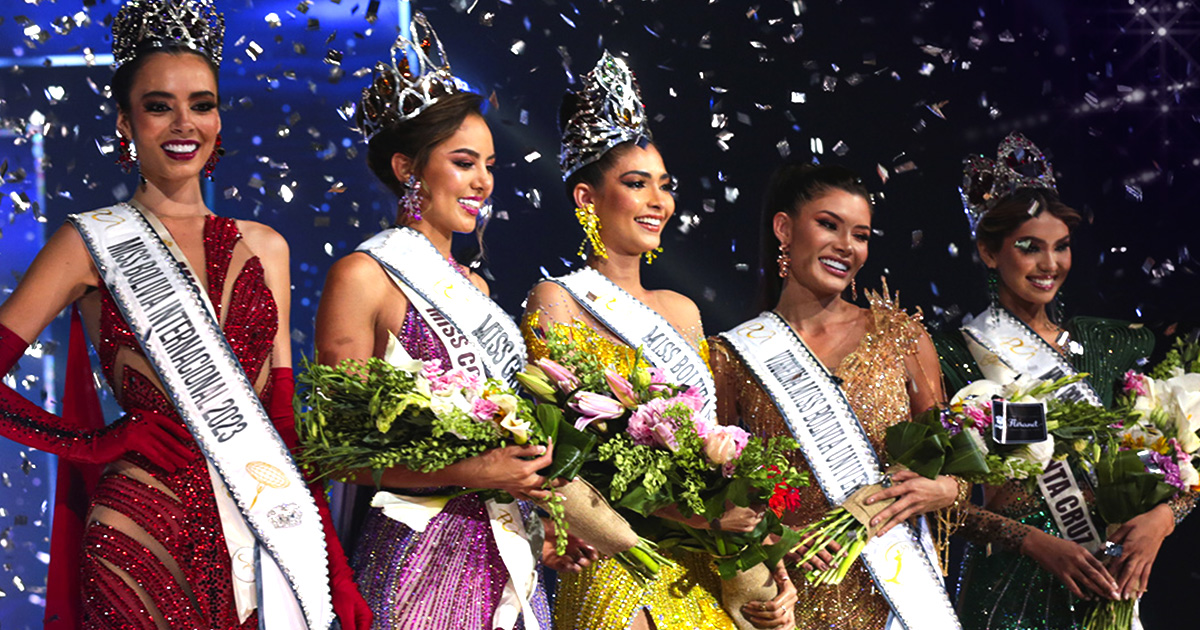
(450, 304)
(1005, 347)
(187, 349)
(843, 460)
(639, 325)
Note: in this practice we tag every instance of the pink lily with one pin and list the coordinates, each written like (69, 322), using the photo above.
(562, 376)
(595, 407)
(621, 388)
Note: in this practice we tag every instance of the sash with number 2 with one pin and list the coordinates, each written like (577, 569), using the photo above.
(842, 460)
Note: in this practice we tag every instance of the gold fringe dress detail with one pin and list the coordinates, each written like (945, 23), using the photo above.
(604, 596)
(874, 380)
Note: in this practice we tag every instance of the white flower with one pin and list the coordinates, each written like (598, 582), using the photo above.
(518, 428)
(443, 404)
(981, 390)
(397, 356)
(1181, 400)
(1039, 453)
(1188, 475)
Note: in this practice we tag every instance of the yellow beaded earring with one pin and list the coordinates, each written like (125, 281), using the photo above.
(591, 230)
(652, 254)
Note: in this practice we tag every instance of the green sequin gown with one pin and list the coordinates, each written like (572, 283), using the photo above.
(1000, 589)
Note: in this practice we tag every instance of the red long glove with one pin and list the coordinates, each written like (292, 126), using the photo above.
(348, 604)
(152, 434)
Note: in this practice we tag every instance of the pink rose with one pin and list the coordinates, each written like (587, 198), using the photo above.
(1135, 383)
(644, 423)
(484, 410)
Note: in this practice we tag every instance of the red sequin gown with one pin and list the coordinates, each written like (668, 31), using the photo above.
(154, 554)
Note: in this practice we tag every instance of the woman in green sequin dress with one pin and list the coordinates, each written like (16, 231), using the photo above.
(1018, 572)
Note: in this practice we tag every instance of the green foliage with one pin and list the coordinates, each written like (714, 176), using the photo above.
(1125, 489)
(372, 415)
(1184, 355)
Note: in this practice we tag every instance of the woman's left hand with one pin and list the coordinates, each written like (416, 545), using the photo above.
(579, 554)
(914, 495)
(1141, 537)
(780, 612)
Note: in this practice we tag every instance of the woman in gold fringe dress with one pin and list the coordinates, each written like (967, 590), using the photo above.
(819, 220)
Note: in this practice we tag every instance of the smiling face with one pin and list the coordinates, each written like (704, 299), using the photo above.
(1032, 262)
(634, 201)
(827, 240)
(173, 117)
(457, 177)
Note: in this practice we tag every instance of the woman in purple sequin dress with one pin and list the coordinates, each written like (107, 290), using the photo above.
(438, 160)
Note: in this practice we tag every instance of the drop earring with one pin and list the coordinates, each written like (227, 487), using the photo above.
(784, 261)
(410, 201)
(853, 290)
(652, 254)
(993, 287)
(126, 153)
(591, 231)
(213, 158)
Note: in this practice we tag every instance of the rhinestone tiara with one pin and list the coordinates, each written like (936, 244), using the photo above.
(1018, 164)
(396, 94)
(611, 113)
(192, 24)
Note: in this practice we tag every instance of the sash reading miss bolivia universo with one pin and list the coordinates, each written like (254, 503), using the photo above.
(478, 337)
(1005, 348)
(639, 325)
(183, 341)
(842, 460)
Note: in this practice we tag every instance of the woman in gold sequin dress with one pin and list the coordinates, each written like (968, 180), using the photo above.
(1019, 572)
(625, 197)
(818, 220)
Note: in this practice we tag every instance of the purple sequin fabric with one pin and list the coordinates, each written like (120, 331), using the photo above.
(449, 577)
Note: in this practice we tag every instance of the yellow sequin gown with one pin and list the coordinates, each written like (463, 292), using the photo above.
(874, 379)
(604, 596)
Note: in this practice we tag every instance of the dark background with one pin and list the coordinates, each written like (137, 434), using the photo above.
(1107, 89)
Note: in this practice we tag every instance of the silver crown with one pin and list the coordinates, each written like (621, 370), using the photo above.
(612, 113)
(397, 94)
(1018, 164)
(193, 24)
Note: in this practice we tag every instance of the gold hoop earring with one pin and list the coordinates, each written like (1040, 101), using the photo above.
(784, 261)
(591, 231)
(652, 254)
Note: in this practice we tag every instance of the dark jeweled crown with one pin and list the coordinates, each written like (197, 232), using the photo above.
(143, 24)
(611, 113)
(397, 93)
(1018, 164)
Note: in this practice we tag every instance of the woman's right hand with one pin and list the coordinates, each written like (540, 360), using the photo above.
(513, 469)
(1077, 568)
(819, 562)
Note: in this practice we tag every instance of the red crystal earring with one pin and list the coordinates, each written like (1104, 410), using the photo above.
(126, 156)
(213, 158)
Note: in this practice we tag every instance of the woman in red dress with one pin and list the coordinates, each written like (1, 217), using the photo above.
(155, 552)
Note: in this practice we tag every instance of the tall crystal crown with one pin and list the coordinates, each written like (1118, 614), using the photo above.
(193, 24)
(611, 113)
(1018, 164)
(397, 94)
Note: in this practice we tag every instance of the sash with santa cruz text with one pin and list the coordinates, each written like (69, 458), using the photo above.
(639, 325)
(1005, 347)
(187, 349)
(842, 460)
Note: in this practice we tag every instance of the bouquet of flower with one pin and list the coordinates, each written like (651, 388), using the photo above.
(1153, 456)
(399, 411)
(655, 451)
(957, 440)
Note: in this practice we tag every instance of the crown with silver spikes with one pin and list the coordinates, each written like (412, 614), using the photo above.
(143, 25)
(1018, 164)
(612, 113)
(396, 93)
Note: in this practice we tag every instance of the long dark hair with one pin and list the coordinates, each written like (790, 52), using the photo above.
(791, 186)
